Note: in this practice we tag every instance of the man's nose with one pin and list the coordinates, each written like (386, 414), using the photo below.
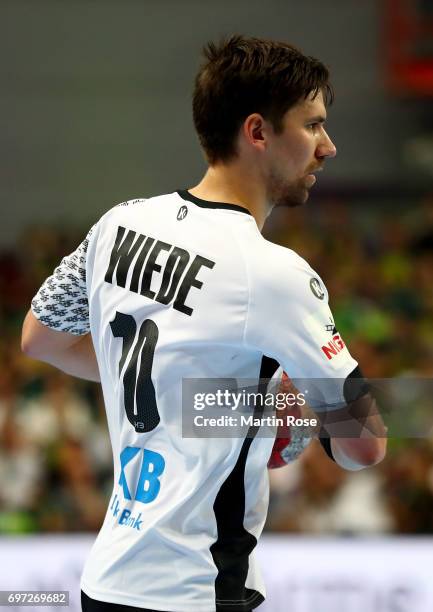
(326, 148)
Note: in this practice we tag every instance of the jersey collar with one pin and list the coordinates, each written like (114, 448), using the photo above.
(186, 195)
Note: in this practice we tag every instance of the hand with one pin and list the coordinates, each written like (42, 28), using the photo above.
(290, 441)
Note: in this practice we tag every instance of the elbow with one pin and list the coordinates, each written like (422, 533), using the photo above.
(28, 346)
(357, 454)
(372, 449)
(30, 340)
(374, 452)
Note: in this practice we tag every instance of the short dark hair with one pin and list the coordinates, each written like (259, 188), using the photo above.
(242, 76)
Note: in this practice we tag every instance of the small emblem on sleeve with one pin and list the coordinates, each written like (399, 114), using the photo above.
(330, 327)
(331, 346)
(316, 288)
(182, 213)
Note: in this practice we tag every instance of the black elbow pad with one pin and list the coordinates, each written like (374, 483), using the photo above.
(355, 386)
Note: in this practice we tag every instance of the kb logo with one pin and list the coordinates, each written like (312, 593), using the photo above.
(316, 288)
(182, 213)
(148, 484)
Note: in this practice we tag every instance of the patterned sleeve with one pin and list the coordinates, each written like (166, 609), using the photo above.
(61, 303)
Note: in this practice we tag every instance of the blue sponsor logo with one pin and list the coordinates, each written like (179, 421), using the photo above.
(124, 516)
(152, 466)
(145, 491)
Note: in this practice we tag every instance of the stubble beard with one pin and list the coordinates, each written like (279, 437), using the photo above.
(283, 193)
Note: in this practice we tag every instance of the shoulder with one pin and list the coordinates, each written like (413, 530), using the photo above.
(282, 272)
(278, 257)
(134, 206)
(122, 214)
(122, 209)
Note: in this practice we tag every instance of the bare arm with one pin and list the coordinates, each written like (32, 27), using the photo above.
(70, 353)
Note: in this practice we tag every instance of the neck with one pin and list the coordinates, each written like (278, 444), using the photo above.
(235, 185)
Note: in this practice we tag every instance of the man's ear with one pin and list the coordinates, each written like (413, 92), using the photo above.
(254, 130)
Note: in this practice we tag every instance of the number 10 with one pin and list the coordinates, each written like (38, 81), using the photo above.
(138, 391)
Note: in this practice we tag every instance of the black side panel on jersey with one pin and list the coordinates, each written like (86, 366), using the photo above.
(268, 367)
(234, 544)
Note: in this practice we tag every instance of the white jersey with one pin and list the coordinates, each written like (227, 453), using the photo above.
(174, 287)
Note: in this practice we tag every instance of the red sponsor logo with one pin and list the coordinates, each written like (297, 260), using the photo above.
(334, 346)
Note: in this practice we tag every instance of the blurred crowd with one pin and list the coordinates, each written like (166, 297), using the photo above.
(376, 261)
